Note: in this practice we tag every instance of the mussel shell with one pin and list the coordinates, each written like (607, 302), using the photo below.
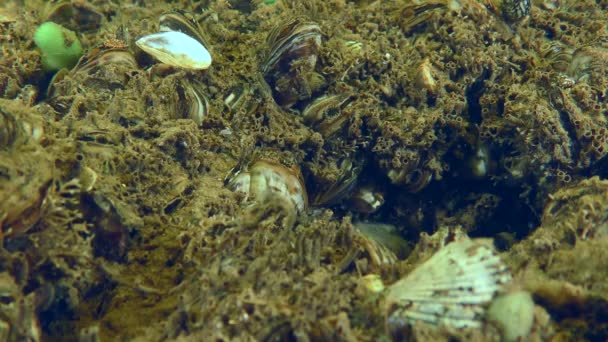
(77, 15)
(366, 200)
(18, 127)
(295, 42)
(183, 22)
(191, 102)
(265, 177)
(103, 56)
(238, 96)
(385, 235)
(326, 114)
(8, 129)
(588, 63)
(513, 10)
(291, 40)
(176, 49)
(557, 55)
(87, 71)
(330, 194)
(247, 96)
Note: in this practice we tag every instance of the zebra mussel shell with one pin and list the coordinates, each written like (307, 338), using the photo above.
(452, 288)
(264, 177)
(183, 22)
(191, 102)
(514, 10)
(292, 54)
(511, 10)
(179, 43)
(327, 115)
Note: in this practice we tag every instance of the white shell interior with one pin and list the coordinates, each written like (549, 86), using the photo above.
(176, 49)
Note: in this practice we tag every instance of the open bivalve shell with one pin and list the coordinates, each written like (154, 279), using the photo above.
(176, 49)
(452, 288)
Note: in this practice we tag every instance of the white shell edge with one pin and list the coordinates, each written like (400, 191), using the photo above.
(176, 49)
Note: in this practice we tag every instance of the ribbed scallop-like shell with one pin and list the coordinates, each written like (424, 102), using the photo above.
(452, 288)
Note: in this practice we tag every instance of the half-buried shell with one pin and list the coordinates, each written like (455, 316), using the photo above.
(452, 288)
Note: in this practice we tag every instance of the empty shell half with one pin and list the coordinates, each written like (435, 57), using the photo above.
(176, 49)
(452, 288)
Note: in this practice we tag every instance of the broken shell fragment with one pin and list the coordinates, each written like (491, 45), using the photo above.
(176, 49)
(452, 288)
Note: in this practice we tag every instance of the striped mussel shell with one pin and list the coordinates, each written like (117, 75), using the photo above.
(451, 289)
(295, 41)
(191, 102)
(265, 179)
(184, 22)
(510, 10)
(113, 52)
(334, 191)
(327, 114)
(514, 10)
(589, 64)
(17, 126)
(292, 40)
(381, 242)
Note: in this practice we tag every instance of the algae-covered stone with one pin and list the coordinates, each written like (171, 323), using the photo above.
(60, 47)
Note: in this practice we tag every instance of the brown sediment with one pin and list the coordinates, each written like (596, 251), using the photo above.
(114, 215)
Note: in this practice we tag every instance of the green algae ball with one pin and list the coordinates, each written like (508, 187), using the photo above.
(60, 47)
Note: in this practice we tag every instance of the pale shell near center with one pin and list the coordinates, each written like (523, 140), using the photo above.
(452, 288)
(265, 176)
(176, 49)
